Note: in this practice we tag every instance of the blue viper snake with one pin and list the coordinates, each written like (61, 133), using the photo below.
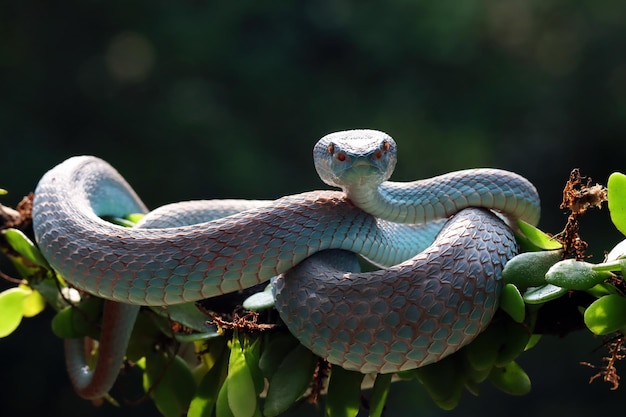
(427, 301)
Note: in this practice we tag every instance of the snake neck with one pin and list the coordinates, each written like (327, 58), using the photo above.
(392, 202)
(373, 200)
(442, 196)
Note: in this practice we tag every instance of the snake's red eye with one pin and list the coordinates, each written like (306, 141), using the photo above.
(378, 154)
(341, 156)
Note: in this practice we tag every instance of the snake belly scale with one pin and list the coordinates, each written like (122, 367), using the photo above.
(416, 312)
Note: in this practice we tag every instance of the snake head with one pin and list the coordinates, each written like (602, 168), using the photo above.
(355, 157)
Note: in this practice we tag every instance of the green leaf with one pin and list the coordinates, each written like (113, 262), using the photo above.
(25, 247)
(252, 353)
(511, 379)
(260, 301)
(379, 394)
(482, 352)
(78, 321)
(602, 289)
(34, 303)
(276, 349)
(241, 394)
(170, 383)
(145, 336)
(3, 191)
(515, 338)
(290, 380)
(532, 342)
(222, 406)
(529, 269)
(211, 350)
(575, 275)
(618, 251)
(606, 315)
(134, 217)
(616, 194)
(444, 381)
(512, 303)
(11, 309)
(344, 393)
(538, 238)
(62, 324)
(208, 390)
(543, 294)
(186, 314)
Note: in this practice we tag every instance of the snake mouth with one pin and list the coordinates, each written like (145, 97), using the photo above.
(361, 173)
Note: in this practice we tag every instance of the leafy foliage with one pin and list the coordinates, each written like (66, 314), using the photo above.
(242, 369)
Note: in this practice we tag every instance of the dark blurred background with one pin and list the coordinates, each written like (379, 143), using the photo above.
(195, 99)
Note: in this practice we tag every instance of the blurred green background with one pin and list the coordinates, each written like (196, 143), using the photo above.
(197, 99)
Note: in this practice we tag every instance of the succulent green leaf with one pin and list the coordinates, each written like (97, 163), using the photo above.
(606, 315)
(25, 247)
(145, 336)
(34, 303)
(512, 303)
(278, 346)
(241, 392)
(134, 217)
(444, 381)
(540, 240)
(169, 382)
(260, 301)
(618, 251)
(379, 394)
(532, 342)
(252, 353)
(616, 194)
(529, 269)
(11, 309)
(62, 324)
(222, 406)
(186, 314)
(482, 352)
(514, 342)
(602, 289)
(290, 380)
(78, 321)
(510, 379)
(575, 275)
(344, 393)
(205, 397)
(543, 294)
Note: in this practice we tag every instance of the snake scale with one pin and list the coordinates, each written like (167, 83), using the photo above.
(421, 308)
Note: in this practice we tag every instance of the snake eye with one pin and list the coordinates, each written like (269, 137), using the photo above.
(340, 155)
(384, 148)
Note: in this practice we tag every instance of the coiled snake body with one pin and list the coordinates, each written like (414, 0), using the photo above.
(416, 312)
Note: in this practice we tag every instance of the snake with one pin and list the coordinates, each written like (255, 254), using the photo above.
(427, 301)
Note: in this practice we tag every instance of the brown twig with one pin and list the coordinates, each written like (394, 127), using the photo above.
(247, 322)
(318, 382)
(578, 196)
(608, 373)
